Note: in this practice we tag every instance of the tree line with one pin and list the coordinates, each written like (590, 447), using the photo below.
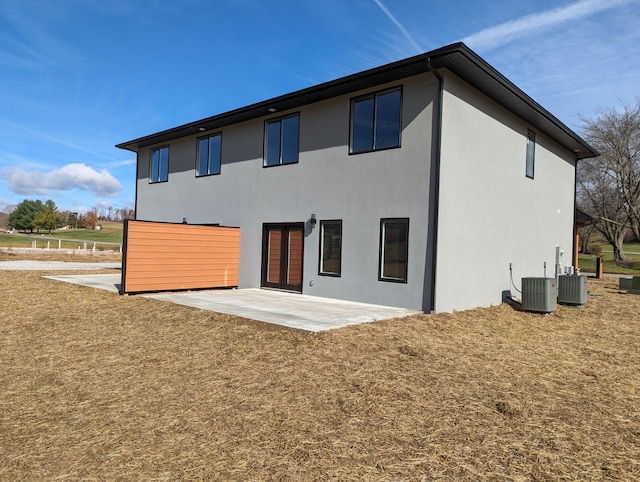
(34, 215)
(608, 186)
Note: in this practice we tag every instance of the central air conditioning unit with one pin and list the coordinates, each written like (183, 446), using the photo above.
(572, 289)
(625, 284)
(539, 294)
(635, 285)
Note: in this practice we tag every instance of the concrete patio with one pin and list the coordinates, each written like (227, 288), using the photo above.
(292, 310)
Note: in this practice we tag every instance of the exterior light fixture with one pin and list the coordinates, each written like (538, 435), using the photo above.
(313, 221)
(201, 129)
(272, 109)
(184, 220)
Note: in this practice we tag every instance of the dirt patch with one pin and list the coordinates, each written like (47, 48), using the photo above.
(98, 386)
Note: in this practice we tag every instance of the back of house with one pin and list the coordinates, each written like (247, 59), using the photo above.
(415, 184)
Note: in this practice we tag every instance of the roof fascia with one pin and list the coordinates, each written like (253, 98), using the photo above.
(457, 58)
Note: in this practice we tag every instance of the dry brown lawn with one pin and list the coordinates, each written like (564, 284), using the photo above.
(94, 386)
(8, 254)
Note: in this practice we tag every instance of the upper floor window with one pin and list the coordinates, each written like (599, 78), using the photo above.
(281, 140)
(209, 155)
(375, 121)
(394, 249)
(159, 164)
(330, 247)
(531, 153)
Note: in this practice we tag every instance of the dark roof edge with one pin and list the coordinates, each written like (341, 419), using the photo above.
(440, 58)
(266, 104)
(514, 89)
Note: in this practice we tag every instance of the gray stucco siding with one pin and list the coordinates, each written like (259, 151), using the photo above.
(327, 181)
(491, 214)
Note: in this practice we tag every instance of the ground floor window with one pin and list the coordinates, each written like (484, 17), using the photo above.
(330, 248)
(394, 249)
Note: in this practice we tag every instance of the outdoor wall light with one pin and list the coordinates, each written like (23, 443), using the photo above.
(272, 109)
(313, 221)
(201, 129)
(184, 220)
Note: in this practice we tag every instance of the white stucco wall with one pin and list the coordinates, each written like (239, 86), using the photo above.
(328, 182)
(491, 214)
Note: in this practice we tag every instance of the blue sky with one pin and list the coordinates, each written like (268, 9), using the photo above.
(79, 76)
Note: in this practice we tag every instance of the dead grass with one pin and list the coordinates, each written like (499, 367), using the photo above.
(53, 255)
(94, 386)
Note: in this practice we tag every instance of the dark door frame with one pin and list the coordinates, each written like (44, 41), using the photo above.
(285, 228)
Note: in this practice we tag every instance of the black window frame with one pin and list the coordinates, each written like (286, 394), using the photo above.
(208, 138)
(381, 251)
(374, 95)
(321, 272)
(152, 151)
(265, 145)
(530, 163)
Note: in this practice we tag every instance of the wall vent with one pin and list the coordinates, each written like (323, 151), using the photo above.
(572, 289)
(539, 294)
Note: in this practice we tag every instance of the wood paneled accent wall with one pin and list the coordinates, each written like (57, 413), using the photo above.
(168, 257)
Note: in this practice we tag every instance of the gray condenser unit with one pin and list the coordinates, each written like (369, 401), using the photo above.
(572, 289)
(539, 294)
(635, 285)
(625, 284)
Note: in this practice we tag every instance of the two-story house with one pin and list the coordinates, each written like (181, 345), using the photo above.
(416, 184)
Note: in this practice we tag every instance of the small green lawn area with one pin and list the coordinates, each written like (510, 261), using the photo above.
(110, 232)
(14, 241)
(587, 262)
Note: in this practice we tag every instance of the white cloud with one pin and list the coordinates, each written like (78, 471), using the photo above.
(506, 32)
(70, 177)
(404, 31)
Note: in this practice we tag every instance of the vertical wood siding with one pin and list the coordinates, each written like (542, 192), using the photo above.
(166, 257)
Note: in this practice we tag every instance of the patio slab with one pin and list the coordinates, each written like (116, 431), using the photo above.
(303, 312)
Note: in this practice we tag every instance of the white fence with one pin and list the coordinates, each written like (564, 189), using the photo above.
(71, 245)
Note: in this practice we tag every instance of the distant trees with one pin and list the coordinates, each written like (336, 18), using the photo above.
(48, 217)
(609, 185)
(32, 215)
(23, 217)
(4, 216)
(89, 220)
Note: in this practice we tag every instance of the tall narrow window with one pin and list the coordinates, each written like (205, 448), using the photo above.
(281, 144)
(394, 249)
(209, 155)
(531, 153)
(330, 248)
(375, 121)
(159, 164)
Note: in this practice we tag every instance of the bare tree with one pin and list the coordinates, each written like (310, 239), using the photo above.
(585, 233)
(89, 220)
(598, 195)
(128, 213)
(609, 186)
